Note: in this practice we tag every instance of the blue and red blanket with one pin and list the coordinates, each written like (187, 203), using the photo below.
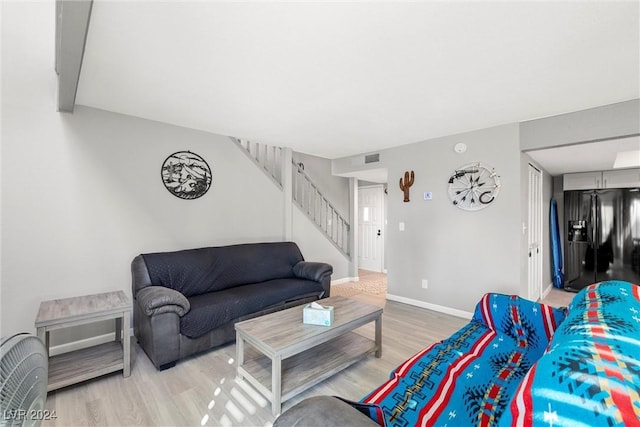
(469, 378)
(590, 375)
(521, 363)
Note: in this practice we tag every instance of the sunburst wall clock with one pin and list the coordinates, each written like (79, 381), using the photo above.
(474, 186)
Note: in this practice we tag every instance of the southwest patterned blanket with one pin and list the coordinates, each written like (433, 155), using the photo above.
(469, 378)
(590, 375)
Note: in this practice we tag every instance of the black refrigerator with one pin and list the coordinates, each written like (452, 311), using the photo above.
(602, 236)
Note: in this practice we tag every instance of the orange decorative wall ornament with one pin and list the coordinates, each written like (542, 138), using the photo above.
(404, 186)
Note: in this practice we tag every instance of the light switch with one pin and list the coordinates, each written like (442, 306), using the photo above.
(401, 226)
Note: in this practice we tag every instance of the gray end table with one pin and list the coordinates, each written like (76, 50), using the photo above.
(80, 365)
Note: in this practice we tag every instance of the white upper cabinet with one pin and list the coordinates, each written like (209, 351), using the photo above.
(582, 181)
(621, 178)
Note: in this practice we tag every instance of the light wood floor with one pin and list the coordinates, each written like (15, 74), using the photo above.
(555, 297)
(202, 390)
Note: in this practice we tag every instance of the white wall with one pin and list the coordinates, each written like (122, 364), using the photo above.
(91, 199)
(315, 247)
(462, 254)
(437, 238)
(82, 193)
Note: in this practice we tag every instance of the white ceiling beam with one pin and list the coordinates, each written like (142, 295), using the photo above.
(72, 24)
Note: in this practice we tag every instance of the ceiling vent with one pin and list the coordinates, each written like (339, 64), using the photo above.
(371, 158)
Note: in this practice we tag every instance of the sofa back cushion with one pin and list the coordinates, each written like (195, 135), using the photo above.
(198, 271)
(590, 376)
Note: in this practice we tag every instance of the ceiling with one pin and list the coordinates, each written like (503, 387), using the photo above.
(335, 79)
(592, 156)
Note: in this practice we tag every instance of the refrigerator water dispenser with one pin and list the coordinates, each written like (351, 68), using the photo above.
(577, 231)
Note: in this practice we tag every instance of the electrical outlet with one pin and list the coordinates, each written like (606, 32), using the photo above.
(425, 283)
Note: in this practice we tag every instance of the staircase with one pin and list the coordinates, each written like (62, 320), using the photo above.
(268, 158)
(306, 194)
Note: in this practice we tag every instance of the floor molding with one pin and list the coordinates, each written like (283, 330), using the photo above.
(345, 280)
(83, 343)
(429, 306)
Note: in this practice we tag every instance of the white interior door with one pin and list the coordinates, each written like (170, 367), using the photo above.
(535, 234)
(370, 228)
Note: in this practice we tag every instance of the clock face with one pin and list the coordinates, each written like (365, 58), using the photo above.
(474, 186)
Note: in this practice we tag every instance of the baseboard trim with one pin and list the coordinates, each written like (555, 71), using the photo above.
(84, 343)
(546, 290)
(429, 306)
(345, 280)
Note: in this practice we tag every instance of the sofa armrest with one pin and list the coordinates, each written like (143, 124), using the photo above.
(326, 411)
(139, 275)
(158, 299)
(316, 271)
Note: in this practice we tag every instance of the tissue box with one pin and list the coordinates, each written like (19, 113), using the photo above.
(317, 316)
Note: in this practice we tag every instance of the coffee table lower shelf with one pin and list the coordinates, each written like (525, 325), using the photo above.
(306, 369)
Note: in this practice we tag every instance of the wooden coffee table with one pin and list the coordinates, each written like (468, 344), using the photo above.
(298, 356)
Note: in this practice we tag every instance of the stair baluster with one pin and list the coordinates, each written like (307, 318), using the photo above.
(323, 214)
(305, 193)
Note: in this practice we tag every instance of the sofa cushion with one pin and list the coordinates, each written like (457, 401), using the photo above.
(199, 271)
(468, 378)
(590, 376)
(208, 311)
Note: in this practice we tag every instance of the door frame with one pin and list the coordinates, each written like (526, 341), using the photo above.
(535, 233)
(383, 223)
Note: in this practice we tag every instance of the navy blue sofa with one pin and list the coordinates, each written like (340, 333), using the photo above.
(188, 301)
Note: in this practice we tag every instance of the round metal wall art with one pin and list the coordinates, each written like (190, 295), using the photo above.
(186, 175)
(474, 186)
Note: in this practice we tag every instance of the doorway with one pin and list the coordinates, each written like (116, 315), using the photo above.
(371, 230)
(534, 238)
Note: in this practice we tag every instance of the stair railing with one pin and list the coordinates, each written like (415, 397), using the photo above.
(319, 210)
(267, 157)
(305, 193)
